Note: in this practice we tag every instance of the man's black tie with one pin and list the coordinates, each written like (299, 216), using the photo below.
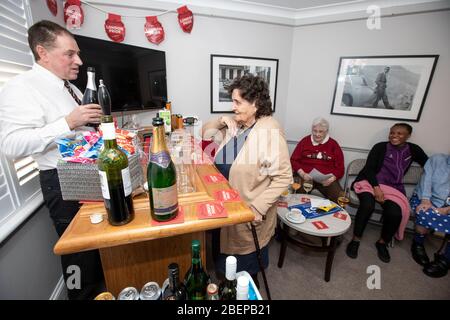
(74, 96)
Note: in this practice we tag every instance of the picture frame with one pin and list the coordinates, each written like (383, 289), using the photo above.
(383, 87)
(225, 68)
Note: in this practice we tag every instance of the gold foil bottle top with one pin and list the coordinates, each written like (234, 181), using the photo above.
(159, 137)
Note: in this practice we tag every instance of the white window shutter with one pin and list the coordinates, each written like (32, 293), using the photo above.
(20, 193)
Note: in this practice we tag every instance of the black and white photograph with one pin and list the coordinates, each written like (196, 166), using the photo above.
(392, 87)
(224, 69)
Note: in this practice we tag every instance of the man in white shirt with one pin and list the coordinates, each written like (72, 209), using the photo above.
(35, 108)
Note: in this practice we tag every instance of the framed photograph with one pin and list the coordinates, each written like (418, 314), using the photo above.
(386, 87)
(225, 68)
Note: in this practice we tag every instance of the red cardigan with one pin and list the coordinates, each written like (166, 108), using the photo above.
(327, 157)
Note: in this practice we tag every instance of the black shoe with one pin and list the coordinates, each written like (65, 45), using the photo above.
(383, 252)
(352, 249)
(419, 254)
(437, 268)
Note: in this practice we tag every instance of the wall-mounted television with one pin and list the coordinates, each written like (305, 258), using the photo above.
(135, 76)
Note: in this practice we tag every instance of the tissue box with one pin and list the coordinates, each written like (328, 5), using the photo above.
(81, 181)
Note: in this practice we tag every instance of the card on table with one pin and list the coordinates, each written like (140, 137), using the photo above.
(340, 215)
(227, 195)
(320, 225)
(282, 204)
(211, 210)
(214, 178)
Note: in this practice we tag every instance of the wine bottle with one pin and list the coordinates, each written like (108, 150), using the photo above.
(114, 177)
(90, 94)
(104, 100)
(228, 286)
(196, 279)
(161, 177)
(175, 290)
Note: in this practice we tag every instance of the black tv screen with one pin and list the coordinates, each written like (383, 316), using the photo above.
(135, 76)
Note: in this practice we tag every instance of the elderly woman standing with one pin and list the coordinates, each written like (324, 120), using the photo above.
(254, 157)
(321, 152)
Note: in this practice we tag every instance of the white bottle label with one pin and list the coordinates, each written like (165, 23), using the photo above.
(126, 181)
(109, 131)
(104, 184)
(165, 200)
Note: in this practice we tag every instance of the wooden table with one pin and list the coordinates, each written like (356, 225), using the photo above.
(138, 252)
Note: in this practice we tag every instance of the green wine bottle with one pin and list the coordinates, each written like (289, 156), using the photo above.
(196, 279)
(227, 289)
(161, 177)
(114, 177)
(175, 290)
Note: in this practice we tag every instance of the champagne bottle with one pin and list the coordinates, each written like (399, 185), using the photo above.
(104, 100)
(161, 177)
(196, 279)
(228, 286)
(90, 94)
(114, 177)
(175, 290)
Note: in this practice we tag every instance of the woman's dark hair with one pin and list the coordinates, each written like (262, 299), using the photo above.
(253, 89)
(404, 125)
(44, 33)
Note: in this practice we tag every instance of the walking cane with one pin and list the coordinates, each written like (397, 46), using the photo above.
(258, 255)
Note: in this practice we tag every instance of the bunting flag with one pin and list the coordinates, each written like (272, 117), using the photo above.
(114, 27)
(52, 6)
(73, 14)
(153, 30)
(185, 19)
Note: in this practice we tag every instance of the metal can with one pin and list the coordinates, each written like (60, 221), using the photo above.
(105, 296)
(180, 123)
(150, 291)
(129, 293)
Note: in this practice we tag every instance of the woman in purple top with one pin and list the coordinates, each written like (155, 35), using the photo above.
(386, 164)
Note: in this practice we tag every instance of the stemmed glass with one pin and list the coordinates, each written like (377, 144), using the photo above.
(307, 186)
(343, 199)
(296, 185)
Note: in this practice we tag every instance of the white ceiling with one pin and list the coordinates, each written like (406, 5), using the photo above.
(297, 4)
(286, 12)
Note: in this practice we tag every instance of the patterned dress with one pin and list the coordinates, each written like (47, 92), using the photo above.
(430, 219)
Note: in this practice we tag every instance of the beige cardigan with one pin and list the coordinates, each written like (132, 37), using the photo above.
(261, 172)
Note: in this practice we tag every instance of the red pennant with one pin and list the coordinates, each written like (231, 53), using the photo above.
(52, 6)
(114, 28)
(153, 30)
(185, 19)
(73, 14)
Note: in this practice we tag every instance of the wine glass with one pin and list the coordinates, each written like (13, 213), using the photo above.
(343, 199)
(308, 186)
(296, 185)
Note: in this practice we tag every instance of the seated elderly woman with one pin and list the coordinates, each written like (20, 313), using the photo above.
(431, 201)
(321, 152)
(381, 181)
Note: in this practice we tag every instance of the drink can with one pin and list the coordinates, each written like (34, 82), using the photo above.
(180, 123)
(105, 296)
(129, 293)
(150, 291)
